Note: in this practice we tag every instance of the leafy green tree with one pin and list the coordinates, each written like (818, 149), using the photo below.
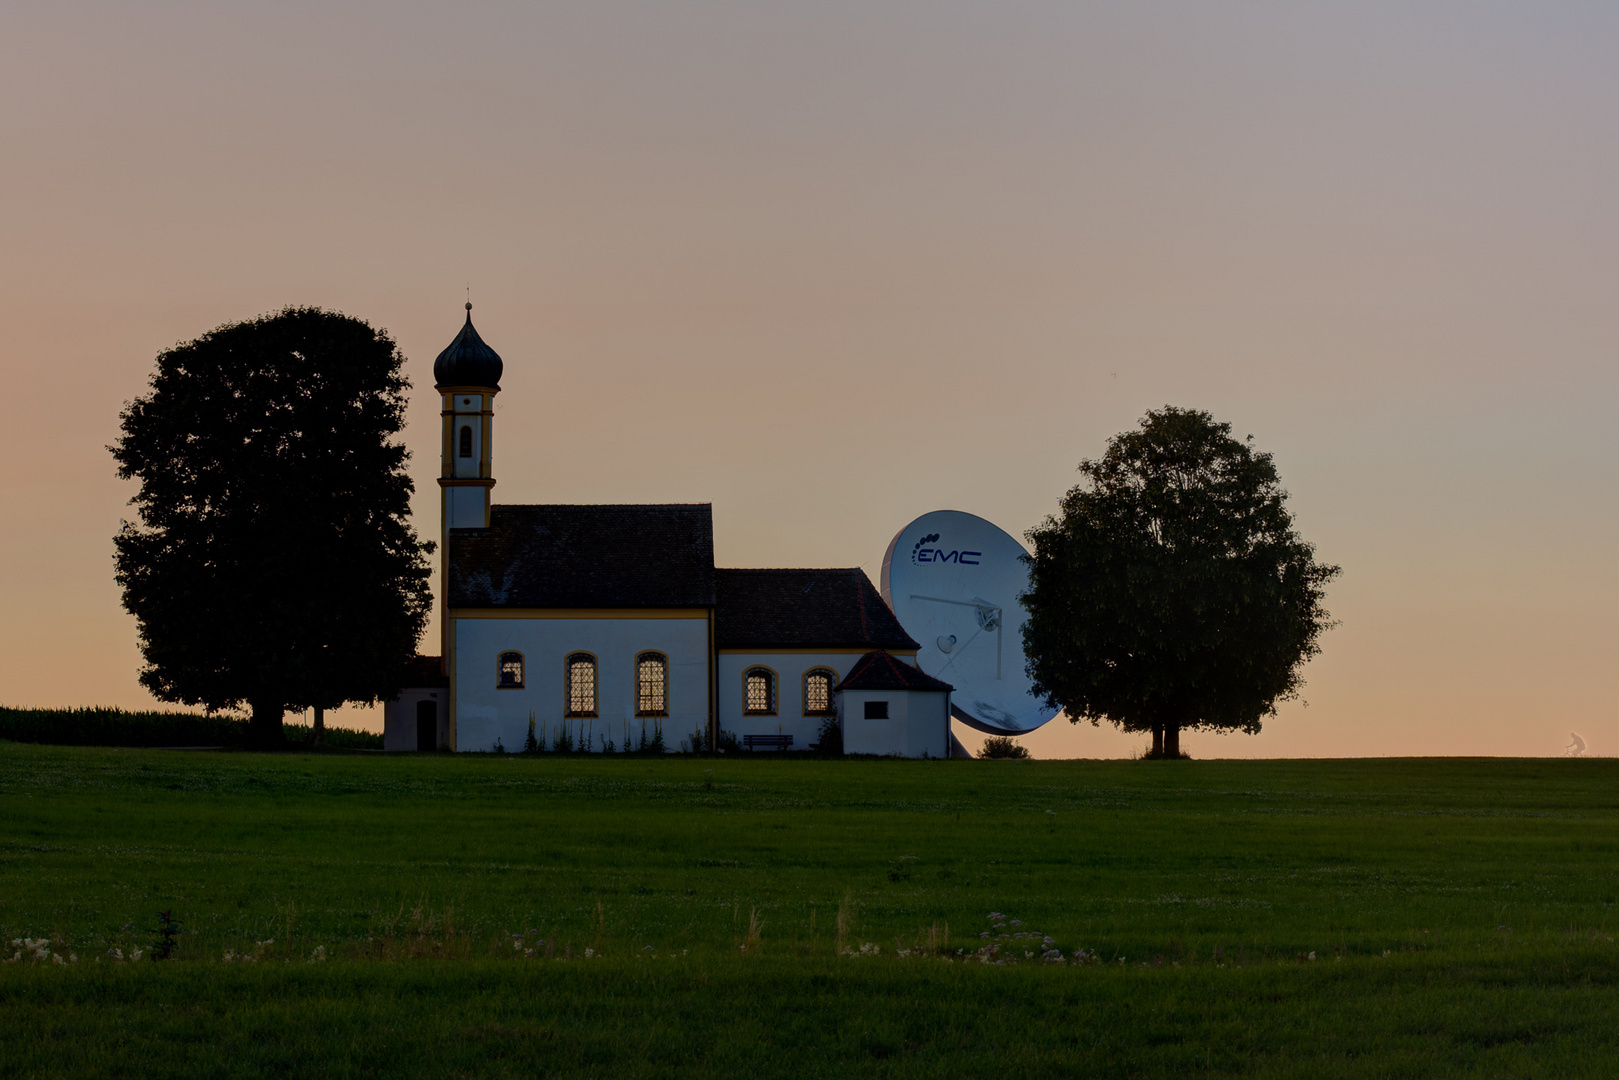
(1171, 591)
(273, 564)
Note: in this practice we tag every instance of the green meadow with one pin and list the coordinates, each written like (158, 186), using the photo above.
(348, 914)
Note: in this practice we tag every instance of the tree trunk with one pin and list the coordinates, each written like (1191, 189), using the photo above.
(320, 726)
(1157, 741)
(1172, 741)
(265, 727)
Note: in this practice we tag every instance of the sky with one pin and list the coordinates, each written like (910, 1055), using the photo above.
(832, 265)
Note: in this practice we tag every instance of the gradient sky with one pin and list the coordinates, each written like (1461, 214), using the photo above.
(832, 265)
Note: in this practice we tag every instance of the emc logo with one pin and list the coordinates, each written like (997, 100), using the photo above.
(922, 554)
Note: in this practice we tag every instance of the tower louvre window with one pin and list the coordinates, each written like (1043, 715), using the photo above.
(759, 692)
(466, 440)
(818, 684)
(651, 684)
(581, 684)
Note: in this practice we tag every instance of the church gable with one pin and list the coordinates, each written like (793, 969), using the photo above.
(585, 556)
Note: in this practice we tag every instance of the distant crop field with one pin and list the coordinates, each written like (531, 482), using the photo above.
(119, 727)
(432, 915)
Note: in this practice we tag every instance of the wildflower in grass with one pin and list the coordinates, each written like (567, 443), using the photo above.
(319, 955)
(589, 952)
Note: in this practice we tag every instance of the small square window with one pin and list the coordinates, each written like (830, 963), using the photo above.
(876, 710)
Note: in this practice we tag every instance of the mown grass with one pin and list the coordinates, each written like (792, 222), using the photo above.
(1460, 913)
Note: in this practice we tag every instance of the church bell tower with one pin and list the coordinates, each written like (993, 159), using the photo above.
(467, 377)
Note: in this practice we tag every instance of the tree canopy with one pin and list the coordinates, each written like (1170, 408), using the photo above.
(273, 563)
(1171, 590)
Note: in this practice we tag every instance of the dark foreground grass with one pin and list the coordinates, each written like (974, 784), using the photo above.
(510, 916)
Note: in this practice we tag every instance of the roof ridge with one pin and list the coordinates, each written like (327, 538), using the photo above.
(593, 506)
(788, 569)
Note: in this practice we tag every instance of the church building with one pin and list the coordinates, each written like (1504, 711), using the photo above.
(607, 624)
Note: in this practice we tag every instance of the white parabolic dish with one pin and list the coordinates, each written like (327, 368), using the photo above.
(953, 580)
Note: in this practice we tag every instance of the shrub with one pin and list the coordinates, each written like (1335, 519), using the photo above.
(1000, 746)
(829, 741)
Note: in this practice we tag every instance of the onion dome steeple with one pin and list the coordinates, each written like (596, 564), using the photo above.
(468, 361)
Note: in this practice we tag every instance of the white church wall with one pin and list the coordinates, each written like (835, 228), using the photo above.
(465, 506)
(485, 713)
(789, 669)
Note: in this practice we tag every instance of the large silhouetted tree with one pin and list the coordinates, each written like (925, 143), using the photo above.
(1171, 591)
(273, 564)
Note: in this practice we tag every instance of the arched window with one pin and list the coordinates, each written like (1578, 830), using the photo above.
(818, 684)
(466, 440)
(652, 684)
(581, 684)
(509, 671)
(759, 692)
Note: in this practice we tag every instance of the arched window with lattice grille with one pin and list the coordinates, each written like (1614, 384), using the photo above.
(652, 684)
(759, 692)
(580, 684)
(509, 671)
(818, 684)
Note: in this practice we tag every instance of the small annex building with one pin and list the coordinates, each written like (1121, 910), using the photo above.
(891, 707)
(604, 624)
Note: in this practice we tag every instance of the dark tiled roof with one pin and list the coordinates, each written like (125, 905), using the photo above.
(467, 361)
(586, 557)
(425, 671)
(803, 608)
(879, 671)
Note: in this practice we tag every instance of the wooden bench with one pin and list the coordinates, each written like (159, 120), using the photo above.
(767, 742)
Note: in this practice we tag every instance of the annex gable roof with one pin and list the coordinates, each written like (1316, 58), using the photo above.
(879, 671)
(585, 556)
(803, 609)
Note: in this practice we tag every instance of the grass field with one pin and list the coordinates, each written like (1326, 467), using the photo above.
(427, 915)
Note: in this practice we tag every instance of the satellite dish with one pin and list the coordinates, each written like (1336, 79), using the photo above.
(953, 580)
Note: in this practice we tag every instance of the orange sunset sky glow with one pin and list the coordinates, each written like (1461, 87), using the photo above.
(832, 265)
